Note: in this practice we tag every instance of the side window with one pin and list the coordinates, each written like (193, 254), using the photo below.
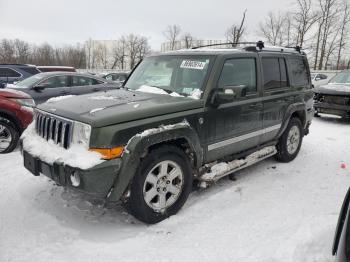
(239, 72)
(299, 71)
(8, 72)
(56, 81)
(323, 77)
(275, 73)
(84, 81)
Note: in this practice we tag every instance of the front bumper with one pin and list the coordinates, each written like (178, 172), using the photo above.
(334, 109)
(96, 181)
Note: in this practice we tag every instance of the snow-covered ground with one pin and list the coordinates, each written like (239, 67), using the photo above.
(273, 212)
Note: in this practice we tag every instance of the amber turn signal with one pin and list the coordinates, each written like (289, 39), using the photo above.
(109, 153)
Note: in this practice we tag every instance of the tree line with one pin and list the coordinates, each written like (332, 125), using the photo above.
(21, 52)
(320, 27)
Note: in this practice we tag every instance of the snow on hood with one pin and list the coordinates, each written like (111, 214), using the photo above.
(58, 98)
(47, 151)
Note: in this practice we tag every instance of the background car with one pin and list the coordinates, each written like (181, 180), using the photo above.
(318, 79)
(10, 73)
(56, 69)
(116, 77)
(341, 245)
(44, 86)
(334, 98)
(15, 115)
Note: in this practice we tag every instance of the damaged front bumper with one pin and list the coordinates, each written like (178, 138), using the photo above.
(96, 181)
(333, 109)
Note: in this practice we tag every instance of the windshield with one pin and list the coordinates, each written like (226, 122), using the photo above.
(30, 81)
(175, 75)
(341, 78)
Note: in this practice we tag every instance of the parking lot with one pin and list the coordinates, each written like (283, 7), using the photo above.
(272, 212)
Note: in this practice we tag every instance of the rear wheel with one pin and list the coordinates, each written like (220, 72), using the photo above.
(9, 136)
(290, 142)
(161, 185)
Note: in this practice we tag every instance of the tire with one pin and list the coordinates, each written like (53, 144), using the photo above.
(9, 136)
(156, 195)
(290, 142)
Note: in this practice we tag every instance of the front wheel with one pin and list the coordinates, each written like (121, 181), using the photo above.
(161, 185)
(290, 142)
(8, 136)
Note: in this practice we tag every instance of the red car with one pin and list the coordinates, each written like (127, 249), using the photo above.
(16, 114)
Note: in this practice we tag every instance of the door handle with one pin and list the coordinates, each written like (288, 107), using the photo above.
(64, 93)
(95, 89)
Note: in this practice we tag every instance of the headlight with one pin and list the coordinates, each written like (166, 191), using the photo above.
(81, 134)
(24, 102)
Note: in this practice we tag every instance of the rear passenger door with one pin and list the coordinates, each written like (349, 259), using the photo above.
(235, 126)
(276, 93)
(85, 85)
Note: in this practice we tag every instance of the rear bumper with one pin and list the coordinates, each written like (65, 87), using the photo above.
(96, 181)
(334, 109)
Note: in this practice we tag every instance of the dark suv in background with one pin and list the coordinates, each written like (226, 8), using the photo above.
(182, 116)
(10, 73)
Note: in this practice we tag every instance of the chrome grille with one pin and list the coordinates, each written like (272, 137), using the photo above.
(53, 128)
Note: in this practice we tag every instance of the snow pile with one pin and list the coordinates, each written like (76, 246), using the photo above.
(76, 156)
(104, 97)
(58, 98)
(224, 167)
(162, 128)
(96, 110)
(196, 94)
(152, 90)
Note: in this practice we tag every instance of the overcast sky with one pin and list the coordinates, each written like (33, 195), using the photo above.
(70, 21)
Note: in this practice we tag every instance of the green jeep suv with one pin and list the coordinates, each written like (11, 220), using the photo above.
(184, 117)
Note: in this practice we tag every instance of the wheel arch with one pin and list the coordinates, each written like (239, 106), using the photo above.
(12, 118)
(183, 137)
(295, 110)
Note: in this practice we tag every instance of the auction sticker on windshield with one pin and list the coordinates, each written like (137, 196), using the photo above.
(193, 64)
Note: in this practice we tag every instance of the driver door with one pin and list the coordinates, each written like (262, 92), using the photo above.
(235, 126)
(53, 86)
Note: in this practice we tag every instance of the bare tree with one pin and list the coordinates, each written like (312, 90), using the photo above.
(235, 32)
(119, 54)
(272, 28)
(304, 18)
(7, 51)
(21, 51)
(188, 40)
(328, 12)
(137, 47)
(102, 55)
(172, 34)
(343, 30)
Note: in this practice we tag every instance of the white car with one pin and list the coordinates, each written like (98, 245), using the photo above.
(319, 79)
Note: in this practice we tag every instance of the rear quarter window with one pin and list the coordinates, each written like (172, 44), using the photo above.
(299, 71)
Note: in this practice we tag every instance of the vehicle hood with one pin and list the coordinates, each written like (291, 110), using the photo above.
(117, 106)
(10, 93)
(333, 89)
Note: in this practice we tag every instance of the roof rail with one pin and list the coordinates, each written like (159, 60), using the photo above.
(13, 64)
(256, 46)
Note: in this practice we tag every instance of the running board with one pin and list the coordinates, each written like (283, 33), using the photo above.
(219, 170)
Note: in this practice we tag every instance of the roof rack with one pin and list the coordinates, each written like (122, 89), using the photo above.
(256, 46)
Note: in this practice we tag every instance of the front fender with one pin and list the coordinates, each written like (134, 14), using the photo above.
(137, 148)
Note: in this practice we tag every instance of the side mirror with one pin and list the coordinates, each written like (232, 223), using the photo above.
(228, 94)
(40, 87)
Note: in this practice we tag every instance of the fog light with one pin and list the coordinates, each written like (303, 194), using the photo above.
(75, 179)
